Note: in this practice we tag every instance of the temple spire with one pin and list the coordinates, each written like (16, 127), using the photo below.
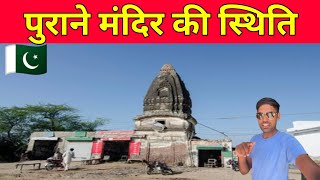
(167, 94)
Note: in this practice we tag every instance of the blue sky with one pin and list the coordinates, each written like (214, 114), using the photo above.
(224, 80)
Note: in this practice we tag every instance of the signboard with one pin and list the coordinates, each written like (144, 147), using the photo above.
(45, 138)
(134, 148)
(114, 135)
(97, 147)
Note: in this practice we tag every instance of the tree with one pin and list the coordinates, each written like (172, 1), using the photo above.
(14, 131)
(49, 117)
(93, 125)
(17, 124)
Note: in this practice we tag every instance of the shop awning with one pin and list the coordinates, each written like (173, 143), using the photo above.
(210, 147)
(79, 138)
(45, 138)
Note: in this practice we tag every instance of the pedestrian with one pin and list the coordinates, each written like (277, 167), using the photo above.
(67, 158)
(270, 153)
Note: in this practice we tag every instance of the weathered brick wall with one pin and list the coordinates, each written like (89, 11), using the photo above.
(169, 146)
(172, 153)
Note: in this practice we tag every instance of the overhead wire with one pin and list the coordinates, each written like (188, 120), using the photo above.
(249, 116)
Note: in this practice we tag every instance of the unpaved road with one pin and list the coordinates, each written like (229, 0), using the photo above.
(122, 171)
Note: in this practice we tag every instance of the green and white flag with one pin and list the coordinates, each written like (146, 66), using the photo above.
(26, 59)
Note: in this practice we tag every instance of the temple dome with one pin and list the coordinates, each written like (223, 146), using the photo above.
(167, 95)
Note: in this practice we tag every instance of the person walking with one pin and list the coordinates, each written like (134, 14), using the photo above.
(67, 158)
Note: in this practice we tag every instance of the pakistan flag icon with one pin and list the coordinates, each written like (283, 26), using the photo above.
(26, 59)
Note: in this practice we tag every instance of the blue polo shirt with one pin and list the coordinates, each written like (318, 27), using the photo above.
(271, 156)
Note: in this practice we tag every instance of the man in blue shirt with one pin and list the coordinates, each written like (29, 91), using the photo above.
(269, 153)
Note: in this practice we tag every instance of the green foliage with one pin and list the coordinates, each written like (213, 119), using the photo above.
(49, 117)
(14, 131)
(17, 123)
(92, 125)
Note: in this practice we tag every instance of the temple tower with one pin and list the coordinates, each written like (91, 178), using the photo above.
(166, 126)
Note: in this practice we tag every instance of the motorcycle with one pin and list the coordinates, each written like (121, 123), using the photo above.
(234, 164)
(158, 167)
(53, 163)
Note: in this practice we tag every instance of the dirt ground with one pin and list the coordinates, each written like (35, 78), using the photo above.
(122, 171)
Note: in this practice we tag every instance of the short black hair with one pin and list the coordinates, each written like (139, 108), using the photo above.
(71, 149)
(269, 101)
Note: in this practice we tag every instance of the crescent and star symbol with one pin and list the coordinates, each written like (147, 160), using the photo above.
(25, 62)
